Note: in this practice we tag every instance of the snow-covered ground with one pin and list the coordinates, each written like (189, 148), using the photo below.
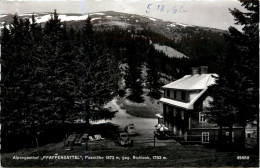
(171, 25)
(184, 25)
(170, 52)
(116, 23)
(3, 16)
(180, 24)
(63, 18)
(152, 19)
(27, 14)
(96, 14)
(2, 26)
(95, 18)
(70, 18)
(41, 19)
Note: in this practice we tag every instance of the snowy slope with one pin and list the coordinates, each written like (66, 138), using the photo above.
(170, 52)
(63, 18)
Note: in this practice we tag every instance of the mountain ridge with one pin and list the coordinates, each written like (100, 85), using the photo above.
(9, 17)
(203, 45)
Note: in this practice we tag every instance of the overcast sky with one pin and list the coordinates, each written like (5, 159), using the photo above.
(209, 13)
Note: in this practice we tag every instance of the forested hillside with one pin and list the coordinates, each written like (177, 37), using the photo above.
(204, 46)
(55, 72)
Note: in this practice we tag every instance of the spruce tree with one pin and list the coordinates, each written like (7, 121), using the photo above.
(97, 72)
(246, 62)
(238, 83)
(133, 78)
(49, 73)
(7, 90)
(57, 84)
(221, 111)
(48, 68)
(18, 70)
(153, 76)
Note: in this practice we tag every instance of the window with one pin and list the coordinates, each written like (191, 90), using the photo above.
(205, 137)
(180, 132)
(174, 129)
(227, 135)
(182, 114)
(189, 122)
(201, 117)
(177, 112)
(168, 109)
(183, 95)
(174, 112)
(167, 93)
(248, 135)
(170, 126)
(174, 94)
(200, 106)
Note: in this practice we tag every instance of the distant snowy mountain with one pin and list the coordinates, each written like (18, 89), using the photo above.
(65, 18)
(122, 19)
(109, 19)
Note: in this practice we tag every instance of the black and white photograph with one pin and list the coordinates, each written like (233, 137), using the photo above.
(129, 83)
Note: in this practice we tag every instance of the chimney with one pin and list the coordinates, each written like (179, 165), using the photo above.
(195, 70)
(203, 69)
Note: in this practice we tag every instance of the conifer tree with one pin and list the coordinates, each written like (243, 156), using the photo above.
(48, 69)
(236, 91)
(13, 70)
(7, 88)
(132, 77)
(56, 91)
(18, 70)
(48, 73)
(153, 76)
(221, 111)
(97, 72)
(246, 62)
